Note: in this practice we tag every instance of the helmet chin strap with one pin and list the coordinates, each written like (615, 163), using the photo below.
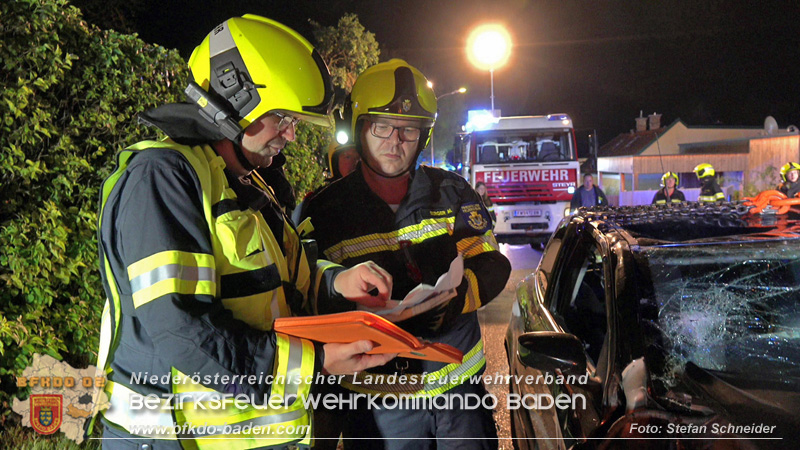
(382, 175)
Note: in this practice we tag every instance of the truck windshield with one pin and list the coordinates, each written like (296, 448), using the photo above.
(731, 307)
(523, 146)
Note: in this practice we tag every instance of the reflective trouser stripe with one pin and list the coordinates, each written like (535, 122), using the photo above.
(439, 382)
(172, 272)
(121, 414)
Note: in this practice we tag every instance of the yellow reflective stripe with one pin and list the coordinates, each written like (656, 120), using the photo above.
(661, 202)
(473, 298)
(378, 242)
(475, 245)
(291, 359)
(435, 383)
(719, 196)
(170, 257)
(172, 272)
(120, 413)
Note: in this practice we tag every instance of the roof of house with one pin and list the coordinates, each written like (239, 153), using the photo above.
(633, 143)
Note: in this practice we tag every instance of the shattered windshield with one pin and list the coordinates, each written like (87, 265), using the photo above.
(732, 308)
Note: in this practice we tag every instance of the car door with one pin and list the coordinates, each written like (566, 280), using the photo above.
(574, 303)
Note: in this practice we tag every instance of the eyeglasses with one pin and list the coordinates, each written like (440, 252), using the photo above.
(384, 131)
(286, 120)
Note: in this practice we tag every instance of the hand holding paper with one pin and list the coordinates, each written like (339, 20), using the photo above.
(423, 297)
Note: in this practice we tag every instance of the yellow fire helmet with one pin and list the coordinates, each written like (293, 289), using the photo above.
(704, 170)
(394, 89)
(255, 66)
(669, 175)
(788, 167)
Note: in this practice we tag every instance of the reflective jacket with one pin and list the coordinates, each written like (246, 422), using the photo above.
(196, 266)
(440, 217)
(661, 197)
(710, 191)
(789, 188)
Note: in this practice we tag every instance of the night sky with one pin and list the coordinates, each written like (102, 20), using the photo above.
(706, 62)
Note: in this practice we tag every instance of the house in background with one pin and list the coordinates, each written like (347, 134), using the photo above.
(746, 159)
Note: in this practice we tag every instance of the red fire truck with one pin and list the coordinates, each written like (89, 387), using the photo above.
(530, 167)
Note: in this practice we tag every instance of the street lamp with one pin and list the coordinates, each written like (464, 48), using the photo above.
(460, 90)
(488, 48)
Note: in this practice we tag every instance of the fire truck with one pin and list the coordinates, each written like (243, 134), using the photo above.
(530, 167)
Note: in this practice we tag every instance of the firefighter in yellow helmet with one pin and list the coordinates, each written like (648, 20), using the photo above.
(790, 172)
(669, 192)
(710, 190)
(413, 222)
(197, 257)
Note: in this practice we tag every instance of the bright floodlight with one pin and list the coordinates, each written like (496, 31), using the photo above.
(342, 137)
(489, 46)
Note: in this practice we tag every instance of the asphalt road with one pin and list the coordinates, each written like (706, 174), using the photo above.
(494, 321)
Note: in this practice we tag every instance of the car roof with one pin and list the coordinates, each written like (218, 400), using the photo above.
(690, 224)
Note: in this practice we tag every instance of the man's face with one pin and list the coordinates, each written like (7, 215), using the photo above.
(347, 161)
(793, 175)
(588, 181)
(670, 182)
(265, 138)
(390, 156)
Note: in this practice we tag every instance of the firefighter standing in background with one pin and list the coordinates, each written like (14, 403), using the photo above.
(413, 223)
(198, 258)
(669, 193)
(790, 172)
(710, 190)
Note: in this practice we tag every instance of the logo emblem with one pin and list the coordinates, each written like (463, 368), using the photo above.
(46, 413)
(476, 220)
(406, 105)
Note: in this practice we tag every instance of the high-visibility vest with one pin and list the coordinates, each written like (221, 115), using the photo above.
(234, 235)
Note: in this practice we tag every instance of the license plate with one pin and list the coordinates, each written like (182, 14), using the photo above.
(528, 213)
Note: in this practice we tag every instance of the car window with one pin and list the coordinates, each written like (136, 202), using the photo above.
(732, 308)
(579, 303)
(549, 257)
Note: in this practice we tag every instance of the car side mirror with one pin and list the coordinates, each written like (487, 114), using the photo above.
(549, 350)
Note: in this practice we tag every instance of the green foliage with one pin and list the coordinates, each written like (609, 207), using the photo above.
(68, 96)
(348, 49)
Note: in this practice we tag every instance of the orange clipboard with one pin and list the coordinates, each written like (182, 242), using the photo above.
(346, 327)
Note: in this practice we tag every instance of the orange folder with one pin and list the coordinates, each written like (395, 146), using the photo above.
(353, 326)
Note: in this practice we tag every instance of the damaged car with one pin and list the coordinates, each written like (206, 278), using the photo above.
(659, 327)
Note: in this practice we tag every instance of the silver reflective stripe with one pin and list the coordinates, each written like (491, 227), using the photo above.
(294, 375)
(220, 40)
(476, 360)
(257, 422)
(121, 414)
(172, 271)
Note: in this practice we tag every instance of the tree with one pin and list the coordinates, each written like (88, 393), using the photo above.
(69, 93)
(347, 49)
